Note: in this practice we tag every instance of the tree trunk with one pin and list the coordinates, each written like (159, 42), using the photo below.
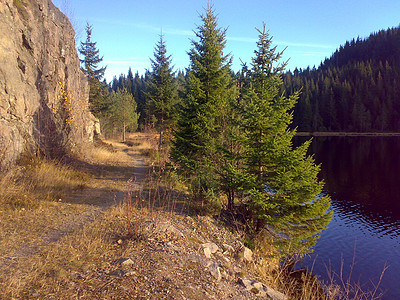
(123, 132)
(231, 198)
(160, 140)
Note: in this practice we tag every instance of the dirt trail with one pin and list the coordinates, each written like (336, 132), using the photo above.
(79, 207)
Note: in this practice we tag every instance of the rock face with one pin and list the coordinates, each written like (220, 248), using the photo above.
(43, 93)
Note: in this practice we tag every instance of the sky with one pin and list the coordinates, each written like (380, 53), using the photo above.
(126, 31)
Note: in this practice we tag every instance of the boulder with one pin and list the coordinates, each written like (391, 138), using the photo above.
(228, 249)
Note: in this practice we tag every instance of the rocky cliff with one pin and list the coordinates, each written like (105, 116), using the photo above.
(43, 93)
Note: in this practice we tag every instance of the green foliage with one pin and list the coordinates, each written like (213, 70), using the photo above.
(160, 88)
(91, 58)
(90, 66)
(202, 117)
(135, 85)
(285, 192)
(356, 89)
(122, 114)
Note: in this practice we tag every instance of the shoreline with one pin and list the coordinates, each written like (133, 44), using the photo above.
(332, 133)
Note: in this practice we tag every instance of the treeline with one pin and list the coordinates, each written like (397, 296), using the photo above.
(356, 89)
(138, 86)
(131, 102)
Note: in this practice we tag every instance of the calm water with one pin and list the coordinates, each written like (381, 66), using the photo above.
(362, 175)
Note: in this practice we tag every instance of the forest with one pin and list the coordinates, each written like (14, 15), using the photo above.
(355, 90)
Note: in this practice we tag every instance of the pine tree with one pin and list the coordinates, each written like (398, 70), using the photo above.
(286, 192)
(202, 118)
(90, 66)
(123, 112)
(160, 89)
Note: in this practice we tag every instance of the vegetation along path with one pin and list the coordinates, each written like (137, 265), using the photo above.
(102, 234)
(102, 179)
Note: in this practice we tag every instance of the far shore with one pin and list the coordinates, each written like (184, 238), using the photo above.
(332, 133)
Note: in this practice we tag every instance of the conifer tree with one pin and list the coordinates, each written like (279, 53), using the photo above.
(160, 89)
(202, 117)
(123, 112)
(90, 66)
(285, 192)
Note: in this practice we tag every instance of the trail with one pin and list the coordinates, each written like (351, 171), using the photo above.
(90, 203)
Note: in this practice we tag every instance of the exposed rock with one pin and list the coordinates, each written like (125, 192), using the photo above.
(210, 248)
(245, 254)
(163, 227)
(215, 271)
(207, 252)
(228, 249)
(261, 289)
(124, 261)
(117, 273)
(130, 273)
(38, 58)
(198, 259)
(211, 265)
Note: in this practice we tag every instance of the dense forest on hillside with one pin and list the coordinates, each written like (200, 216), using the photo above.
(356, 89)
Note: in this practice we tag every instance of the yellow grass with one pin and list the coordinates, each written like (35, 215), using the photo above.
(38, 180)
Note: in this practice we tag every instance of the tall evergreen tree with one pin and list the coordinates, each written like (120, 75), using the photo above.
(285, 192)
(160, 90)
(202, 117)
(90, 66)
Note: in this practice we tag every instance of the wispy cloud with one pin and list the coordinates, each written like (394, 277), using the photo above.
(303, 45)
(118, 62)
(129, 60)
(279, 43)
(147, 27)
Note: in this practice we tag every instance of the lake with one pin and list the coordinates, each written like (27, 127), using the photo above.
(362, 176)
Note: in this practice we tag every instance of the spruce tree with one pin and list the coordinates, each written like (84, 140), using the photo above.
(160, 89)
(285, 192)
(90, 66)
(202, 117)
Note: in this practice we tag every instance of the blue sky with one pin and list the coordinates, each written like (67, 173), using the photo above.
(127, 31)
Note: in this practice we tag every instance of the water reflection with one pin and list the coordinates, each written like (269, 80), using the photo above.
(361, 174)
(362, 177)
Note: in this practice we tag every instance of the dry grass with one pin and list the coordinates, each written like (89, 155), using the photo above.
(37, 180)
(31, 203)
(50, 272)
(109, 153)
(143, 143)
(113, 152)
(38, 243)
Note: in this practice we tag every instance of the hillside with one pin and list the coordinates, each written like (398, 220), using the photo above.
(356, 89)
